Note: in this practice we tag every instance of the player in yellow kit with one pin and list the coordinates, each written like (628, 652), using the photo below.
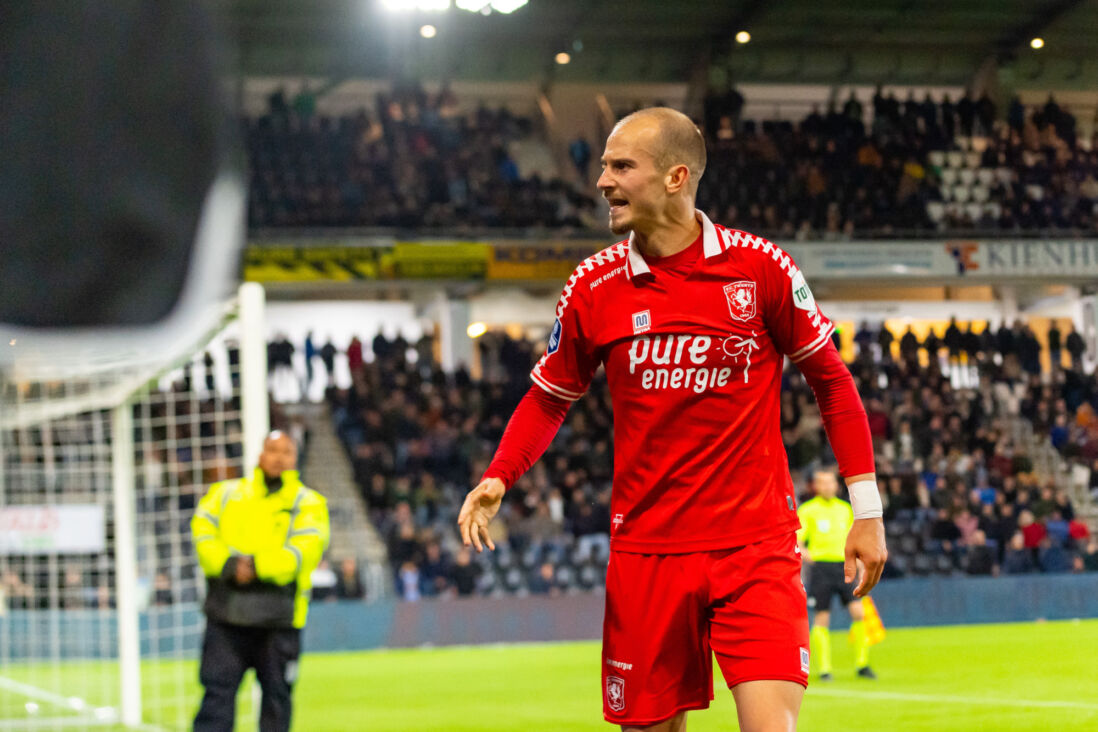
(825, 521)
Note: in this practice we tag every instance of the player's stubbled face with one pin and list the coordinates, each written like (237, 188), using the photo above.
(630, 181)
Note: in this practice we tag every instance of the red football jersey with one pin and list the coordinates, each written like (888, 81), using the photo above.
(693, 361)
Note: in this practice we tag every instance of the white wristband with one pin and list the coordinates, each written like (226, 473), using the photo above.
(865, 499)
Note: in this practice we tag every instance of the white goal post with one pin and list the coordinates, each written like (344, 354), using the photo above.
(104, 451)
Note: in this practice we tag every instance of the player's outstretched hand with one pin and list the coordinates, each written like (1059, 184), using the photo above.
(865, 544)
(481, 504)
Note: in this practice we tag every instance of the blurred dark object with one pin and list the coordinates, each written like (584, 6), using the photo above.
(113, 131)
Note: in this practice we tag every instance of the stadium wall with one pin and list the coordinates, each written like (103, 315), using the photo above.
(347, 626)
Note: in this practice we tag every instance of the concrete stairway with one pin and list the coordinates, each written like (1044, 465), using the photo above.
(327, 470)
(1049, 464)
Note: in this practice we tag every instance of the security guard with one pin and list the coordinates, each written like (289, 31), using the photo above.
(825, 522)
(258, 541)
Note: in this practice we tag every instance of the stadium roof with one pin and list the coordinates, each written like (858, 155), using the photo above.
(940, 42)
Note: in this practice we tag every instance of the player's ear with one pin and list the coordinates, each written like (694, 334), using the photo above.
(677, 178)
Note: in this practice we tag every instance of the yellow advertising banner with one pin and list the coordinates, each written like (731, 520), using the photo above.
(283, 263)
(532, 261)
(455, 260)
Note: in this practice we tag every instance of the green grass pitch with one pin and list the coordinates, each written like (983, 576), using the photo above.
(1033, 676)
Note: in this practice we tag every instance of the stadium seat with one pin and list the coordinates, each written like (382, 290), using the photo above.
(531, 557)
(956, 158)
(488, 583)
(963, 142)
(1035, 192)
(949, 176)
(921, 565)
(513, 580)
(565, 578)
(587, 577)
(935, 211)
(961, 193)
(993, 209)
(943, 565)
(1004, 175)
(899, 564)
(936, 158)
(972, 160)
(981, 193)
(947, 193)
(986, 176)
(966, 176)
(974, 211)
(909, 545)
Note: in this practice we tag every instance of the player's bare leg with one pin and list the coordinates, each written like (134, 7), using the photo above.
(675, 724)
(768, 706)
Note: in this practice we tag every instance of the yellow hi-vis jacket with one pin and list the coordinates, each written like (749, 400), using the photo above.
(285, 531)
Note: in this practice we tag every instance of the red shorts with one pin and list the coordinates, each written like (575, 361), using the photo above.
(666, 614)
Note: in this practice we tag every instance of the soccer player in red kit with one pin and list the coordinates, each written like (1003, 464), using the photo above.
(692, 322)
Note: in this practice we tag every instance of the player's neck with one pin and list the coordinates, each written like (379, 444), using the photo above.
(669, 237)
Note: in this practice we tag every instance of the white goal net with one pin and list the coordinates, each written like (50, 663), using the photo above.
(103, 457)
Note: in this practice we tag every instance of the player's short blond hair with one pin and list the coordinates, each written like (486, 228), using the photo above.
(680, 140)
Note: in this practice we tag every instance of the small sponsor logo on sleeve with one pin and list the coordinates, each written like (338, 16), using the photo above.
(642, 322)
(804, 660)
(554, 337)
(802, 296)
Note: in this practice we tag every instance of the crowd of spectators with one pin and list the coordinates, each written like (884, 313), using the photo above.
(1043, 178)
(414, 161)
(832, 176)
(957, 464)
(957, 476)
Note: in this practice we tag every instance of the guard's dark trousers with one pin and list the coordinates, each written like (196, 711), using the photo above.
(230, 650)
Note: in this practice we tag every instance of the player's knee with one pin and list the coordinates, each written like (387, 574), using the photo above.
(777, 723)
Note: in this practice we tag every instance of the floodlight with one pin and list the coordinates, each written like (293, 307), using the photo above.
(562, 58)
(1037, 43)
(428, 31)
(485, 7)
(507, 6)
(473, 6)
(476, 330)
(743, 37)
(427, 6)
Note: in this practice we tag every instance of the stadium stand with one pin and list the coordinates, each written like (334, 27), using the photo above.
(412, 162)
(917, 167)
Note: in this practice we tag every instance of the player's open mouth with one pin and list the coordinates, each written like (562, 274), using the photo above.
(617, 204)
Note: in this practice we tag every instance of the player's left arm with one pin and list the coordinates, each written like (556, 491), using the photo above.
(801, 331)
(848, 432)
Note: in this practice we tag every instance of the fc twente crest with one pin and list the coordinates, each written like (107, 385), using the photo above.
(615, 693)
(741, 299)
